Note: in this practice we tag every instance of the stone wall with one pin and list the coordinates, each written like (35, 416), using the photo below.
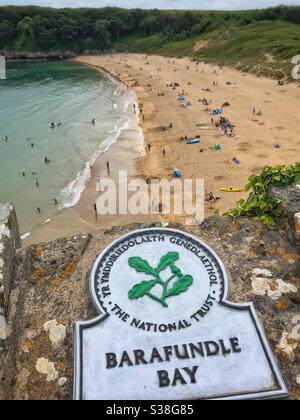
(50, 293)
(9, 242)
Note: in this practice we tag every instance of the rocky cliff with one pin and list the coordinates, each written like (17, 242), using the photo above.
(45, 290)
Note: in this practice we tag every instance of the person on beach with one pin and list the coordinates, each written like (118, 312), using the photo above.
(95, 210)
(149, 147)
(37, 183)
(107, 166)
(164, 153)
(253, 111)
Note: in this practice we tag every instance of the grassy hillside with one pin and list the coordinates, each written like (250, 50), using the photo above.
(264, 48)
(259, 41)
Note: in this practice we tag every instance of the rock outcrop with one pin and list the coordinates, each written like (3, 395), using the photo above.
(28, 55)
(50, 292)
(9, 242)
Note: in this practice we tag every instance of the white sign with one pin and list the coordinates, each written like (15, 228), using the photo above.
(166, 330)
(2, 67)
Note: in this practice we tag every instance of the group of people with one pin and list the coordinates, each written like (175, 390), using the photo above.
(53, 125)
(258, 113)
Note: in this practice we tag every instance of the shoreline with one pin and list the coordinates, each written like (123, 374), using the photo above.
(80, 217)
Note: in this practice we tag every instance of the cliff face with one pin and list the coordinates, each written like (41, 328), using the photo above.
(49, 292)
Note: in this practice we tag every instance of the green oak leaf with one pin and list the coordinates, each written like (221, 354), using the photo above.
(140, 265)
(167, 260)
(138, 290)
(176, 270)
(180, 286)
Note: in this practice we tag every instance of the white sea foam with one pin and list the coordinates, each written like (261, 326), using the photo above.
(46, 221)
(70, 195)
(25, 235)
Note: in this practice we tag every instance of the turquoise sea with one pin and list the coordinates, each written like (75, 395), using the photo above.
(32, 97)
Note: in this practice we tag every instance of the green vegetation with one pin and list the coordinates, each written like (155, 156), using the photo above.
(259, 41)
(259, 204)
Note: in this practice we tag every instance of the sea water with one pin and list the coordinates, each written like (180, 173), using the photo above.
(33, 96)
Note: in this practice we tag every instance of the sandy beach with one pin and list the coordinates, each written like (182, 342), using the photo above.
(253, 145)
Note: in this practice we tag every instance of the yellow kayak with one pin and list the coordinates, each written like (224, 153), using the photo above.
(232, 189)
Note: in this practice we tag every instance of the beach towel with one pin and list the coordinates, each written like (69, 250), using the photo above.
(177, 173)
(193, 141)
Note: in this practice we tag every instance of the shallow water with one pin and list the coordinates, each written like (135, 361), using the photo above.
(33, 96)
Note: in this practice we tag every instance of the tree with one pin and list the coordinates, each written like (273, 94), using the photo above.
(67, 28)
(102, 31)
(25, 28)
(7, 31)
(44, 32)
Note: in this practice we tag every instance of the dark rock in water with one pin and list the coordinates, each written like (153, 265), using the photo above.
(26, 55)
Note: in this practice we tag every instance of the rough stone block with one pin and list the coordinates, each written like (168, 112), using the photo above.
(9, 242)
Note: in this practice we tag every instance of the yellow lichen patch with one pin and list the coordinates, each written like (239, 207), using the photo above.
(296, 392)
(76, 258)
(61, 366)
(273, 285)
(288, 257)
(69, 270)
(285, 355)
(34, 320)
(59, 256)
(51, 289)
(271, 251)
(280, 251)
(39, 251)
(38, 272)
(255, 244)
(254, 255)
(281, 305)
(296, 282)
(27, 345)
(234, 229)
(258, 231)
(70, 372)
(41, 281)
(56, 281)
